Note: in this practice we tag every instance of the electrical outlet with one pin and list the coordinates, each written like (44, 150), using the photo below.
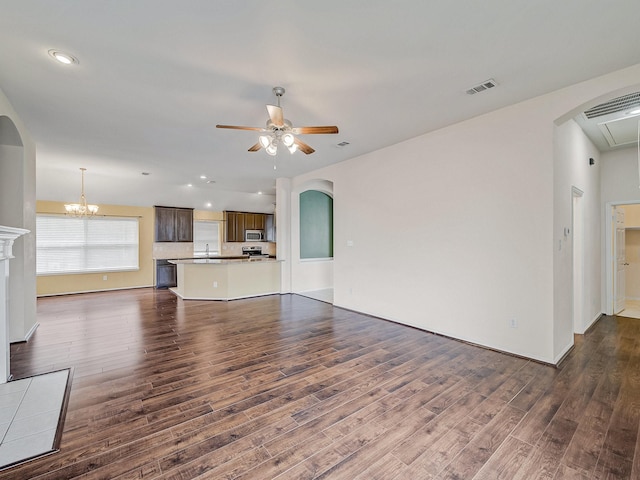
(104, 277)
(215, 284)
(513, 323)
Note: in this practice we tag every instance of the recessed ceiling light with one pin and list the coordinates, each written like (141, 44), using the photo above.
(203, 177)
(208, 204)
(63, 57)
(189, 185)
(259, 193)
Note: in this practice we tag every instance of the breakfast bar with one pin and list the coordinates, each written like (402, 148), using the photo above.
(226, 279)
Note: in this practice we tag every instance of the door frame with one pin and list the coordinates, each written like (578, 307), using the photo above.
(609, 262)
(578, 261)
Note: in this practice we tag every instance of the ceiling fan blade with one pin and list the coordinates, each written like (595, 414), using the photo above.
(303, 147)
(236, 127)
(256, 147)
(310, 130)
(275, 114)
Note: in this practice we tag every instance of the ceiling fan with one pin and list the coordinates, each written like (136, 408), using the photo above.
(280, 130)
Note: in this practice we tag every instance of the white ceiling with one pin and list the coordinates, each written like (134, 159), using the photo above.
(155, 77)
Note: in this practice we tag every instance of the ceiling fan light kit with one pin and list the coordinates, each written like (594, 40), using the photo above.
(280, 130)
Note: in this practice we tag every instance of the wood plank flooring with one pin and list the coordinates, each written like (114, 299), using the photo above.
(288, 387)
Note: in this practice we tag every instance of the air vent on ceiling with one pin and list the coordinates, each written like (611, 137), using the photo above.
(487, 84)
(619, 104)
(343, 144)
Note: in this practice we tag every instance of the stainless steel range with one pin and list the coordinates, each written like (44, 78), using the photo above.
(253, 252)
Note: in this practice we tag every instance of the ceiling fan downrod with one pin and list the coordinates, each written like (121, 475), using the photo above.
(278, 92)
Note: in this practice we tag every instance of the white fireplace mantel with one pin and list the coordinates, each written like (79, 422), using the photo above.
(7, 237)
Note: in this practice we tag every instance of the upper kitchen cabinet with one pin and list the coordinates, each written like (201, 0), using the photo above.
(234, 226)
(270, 227)
(236, 223)
(174, 224)
(254, 221)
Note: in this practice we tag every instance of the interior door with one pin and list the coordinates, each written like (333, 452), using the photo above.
(620, 264)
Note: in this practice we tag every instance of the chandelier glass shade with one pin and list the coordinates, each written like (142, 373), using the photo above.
(81, 209)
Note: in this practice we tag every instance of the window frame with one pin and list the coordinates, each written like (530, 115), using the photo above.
(87, 249)
(201, 253)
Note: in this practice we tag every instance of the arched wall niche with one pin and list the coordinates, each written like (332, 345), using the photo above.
(308, 274)
(9, 134)
(11, 174)
(321, 185)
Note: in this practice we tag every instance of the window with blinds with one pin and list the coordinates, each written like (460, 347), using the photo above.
(206, 233)
(80, 245)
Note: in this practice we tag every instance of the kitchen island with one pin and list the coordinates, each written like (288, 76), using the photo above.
(226, 279)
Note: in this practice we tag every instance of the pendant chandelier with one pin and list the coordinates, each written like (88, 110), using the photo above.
(81, 209)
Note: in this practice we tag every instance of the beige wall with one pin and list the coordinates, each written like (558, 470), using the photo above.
(631, 215)
(60, 284)
(632, 250)
(145, 276)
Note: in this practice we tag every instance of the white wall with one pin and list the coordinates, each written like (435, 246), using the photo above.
(450, 233)
(454, 232)
(572, 169)
(620, 179)
(17, 180)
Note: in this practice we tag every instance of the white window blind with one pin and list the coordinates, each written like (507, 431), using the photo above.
(81, 245)
(206, 233)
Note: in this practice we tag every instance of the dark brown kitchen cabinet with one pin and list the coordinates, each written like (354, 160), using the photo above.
(235, 226)
(270, 228)
(237, 222)
(173, 224)
(254, 221)
(166, 274)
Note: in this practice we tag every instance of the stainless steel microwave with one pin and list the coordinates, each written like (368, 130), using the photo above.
(254, 235)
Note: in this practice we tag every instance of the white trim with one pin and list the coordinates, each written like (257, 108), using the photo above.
(577, 259)
(7, 237)
(608, 253)
(598, 317)
(562, 354)
(223, 299)
(93, 291)
(29, 334)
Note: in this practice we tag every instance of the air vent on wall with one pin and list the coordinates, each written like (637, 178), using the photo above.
(619, 104)
(487, 84)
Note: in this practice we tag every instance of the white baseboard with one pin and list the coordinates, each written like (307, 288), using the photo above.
(26, 338)
(31, 332)
(562, 354)
(92, 291)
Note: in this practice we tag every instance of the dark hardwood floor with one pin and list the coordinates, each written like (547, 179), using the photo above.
(291, 388)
